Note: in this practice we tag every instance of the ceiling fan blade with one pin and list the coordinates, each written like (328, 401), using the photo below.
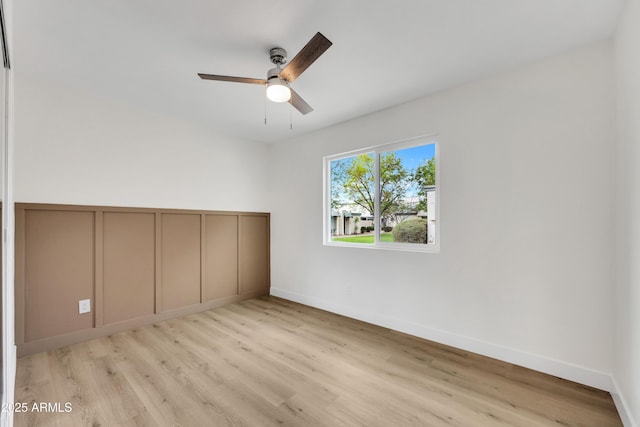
(312, 51)
(300, 104)
(232, 79)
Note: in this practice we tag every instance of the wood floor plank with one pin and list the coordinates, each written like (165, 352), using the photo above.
(166, 373)
(272, 362)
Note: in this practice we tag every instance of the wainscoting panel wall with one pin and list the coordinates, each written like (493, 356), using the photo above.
(59, 271)
(221, 256)
(254, 252)
(180, 260)
(129, 265)
(136, 265)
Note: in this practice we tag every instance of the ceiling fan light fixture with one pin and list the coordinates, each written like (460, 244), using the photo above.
(279, 79)
(278, 90)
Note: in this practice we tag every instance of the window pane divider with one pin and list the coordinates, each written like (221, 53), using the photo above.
(376, 199)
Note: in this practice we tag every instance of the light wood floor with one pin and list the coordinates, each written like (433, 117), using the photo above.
(272, 362)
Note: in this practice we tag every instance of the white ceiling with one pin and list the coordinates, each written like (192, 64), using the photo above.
(147, 52)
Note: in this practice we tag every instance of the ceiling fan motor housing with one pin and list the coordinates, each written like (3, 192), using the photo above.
(274, 73)
(278, 55)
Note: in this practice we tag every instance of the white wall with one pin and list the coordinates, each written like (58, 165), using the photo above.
(78, 149)
(525, 269)
(627, 344)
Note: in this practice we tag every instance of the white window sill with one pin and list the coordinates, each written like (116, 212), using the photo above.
(408, 247)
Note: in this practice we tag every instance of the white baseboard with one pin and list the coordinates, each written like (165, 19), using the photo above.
(621, 405)
(558, 368)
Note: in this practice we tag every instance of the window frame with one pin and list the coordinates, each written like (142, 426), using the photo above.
(376, 151)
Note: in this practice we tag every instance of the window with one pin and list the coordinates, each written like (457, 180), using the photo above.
(383, 197)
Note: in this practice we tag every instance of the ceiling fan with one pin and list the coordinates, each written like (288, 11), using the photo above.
(279, 80)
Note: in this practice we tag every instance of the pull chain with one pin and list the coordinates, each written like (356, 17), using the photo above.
(265, 105)
(290, 116)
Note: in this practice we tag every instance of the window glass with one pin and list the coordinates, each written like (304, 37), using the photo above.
(407, 195)
(386, 197)
(352, 182)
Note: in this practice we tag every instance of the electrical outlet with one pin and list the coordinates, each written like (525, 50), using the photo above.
(84, 306)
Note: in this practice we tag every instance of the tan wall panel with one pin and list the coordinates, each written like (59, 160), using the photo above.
(180, 260)
(122, 257)
(254, 253)
(129, 265)
(221, 256)
(59, 271)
